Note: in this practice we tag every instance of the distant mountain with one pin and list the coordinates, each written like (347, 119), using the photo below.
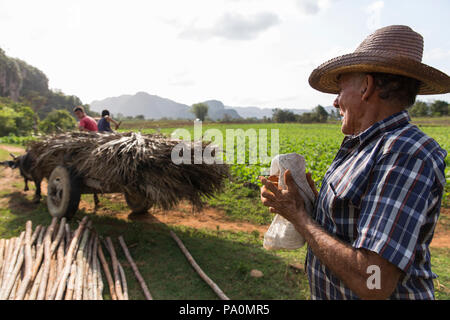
(142, 103)
(217, 110)
(155, 107)
(20, 81)
(253, 112)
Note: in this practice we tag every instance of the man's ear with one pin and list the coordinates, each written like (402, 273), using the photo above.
(368, 87)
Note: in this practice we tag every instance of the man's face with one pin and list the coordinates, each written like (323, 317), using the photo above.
(79, 114)
(349, 101)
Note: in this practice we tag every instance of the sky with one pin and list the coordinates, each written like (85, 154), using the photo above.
(241, 52)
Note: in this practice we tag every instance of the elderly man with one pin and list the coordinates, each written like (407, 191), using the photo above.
(376, 211)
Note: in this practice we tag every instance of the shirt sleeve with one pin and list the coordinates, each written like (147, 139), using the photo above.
(394, 207)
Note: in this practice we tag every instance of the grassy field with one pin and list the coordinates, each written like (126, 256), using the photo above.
(226, 256)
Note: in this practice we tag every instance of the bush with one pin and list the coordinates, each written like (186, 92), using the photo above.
(12, 139)
(57, 120)
(15, 118)
(282, 116)
(200, 110)
(439, 108)
(318, 114)
(308, 117)
(7, 121)
(420, 109)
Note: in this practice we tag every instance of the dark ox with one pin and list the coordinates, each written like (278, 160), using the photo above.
(29, 172)
(25, 163)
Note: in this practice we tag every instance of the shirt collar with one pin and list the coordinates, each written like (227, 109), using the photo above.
(390, 123)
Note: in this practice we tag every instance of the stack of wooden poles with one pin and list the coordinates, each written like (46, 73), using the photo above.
(56, 263)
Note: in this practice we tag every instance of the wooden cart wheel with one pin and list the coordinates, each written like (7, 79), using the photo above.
(63, 193)
(137, 202)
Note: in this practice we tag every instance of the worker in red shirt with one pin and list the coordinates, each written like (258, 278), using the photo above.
(86, 122)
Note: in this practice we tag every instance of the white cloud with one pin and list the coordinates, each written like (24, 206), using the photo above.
(233, 26)
(308, 6)
(312, 7)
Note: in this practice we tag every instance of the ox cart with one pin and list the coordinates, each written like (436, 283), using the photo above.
(139, 166)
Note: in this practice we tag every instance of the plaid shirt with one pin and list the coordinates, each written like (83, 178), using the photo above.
(383, 193)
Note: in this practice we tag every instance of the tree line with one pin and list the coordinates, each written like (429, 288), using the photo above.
(437, 108)
(318, 114)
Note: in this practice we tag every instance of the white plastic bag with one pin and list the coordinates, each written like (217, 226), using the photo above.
(281, 233)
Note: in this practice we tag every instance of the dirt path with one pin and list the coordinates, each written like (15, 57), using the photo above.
(209, 218)
(12, 149)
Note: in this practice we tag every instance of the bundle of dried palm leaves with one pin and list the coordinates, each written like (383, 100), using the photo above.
(132, 163)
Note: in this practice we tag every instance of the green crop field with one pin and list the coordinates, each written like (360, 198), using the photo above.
(318, 143)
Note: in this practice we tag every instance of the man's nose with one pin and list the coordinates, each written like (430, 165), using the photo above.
(336, 103)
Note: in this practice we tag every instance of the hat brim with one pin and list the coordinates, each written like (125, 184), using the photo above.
(324, 78)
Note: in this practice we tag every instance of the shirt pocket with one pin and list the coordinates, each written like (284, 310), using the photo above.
(344, 210)
(346, 195)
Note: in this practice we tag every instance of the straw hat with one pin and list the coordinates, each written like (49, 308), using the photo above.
(392, 49)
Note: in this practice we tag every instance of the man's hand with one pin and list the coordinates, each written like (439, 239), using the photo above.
(288, 203)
